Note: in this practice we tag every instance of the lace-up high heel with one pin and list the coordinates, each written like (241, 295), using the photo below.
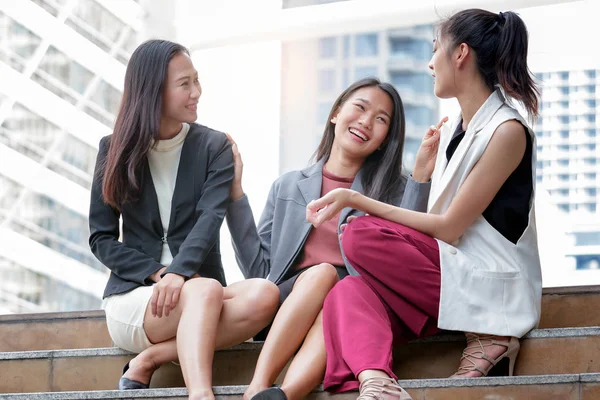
(500, 366)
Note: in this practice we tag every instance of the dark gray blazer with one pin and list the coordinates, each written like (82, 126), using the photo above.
(200, 199)
(270, 250)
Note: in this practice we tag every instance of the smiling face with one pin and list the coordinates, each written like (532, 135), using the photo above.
(442, 71)
(363, 121)
(181, 91)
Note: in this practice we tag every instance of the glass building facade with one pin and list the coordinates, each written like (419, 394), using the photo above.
(318, 70)
(568, 155)
(62, 65)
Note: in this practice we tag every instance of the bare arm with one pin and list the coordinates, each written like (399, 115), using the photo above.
(501, 157)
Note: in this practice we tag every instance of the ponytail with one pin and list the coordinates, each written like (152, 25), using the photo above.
(511, 67)
(500, 42)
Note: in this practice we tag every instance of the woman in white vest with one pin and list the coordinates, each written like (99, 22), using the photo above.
(471, 262)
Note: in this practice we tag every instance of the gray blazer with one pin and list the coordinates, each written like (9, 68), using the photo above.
(270, 250)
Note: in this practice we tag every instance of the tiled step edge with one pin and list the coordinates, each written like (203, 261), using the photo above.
(239, 390)
(256, 346)
(52, 316)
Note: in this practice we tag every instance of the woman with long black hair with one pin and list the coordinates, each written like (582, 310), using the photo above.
(361, 148)
(471, 262)
(169, 179)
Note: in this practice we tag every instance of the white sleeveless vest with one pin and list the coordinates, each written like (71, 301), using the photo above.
(489, 284)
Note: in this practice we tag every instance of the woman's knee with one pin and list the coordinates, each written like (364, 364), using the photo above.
(323, 276)
(342, 290)
(202, 289)
(262, 298)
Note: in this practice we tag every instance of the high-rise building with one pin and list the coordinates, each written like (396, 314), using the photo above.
(568, 152)
(316, 71)
(62, 64)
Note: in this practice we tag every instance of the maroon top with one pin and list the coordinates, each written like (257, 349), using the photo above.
(322, 244)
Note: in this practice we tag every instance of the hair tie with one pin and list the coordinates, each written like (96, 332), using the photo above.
(501, 17)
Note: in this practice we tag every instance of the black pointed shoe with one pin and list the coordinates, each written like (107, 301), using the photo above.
(130, 384)
(272, 393)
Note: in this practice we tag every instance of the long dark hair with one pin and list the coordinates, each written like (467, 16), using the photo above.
(500, 42)
(382, 170)
(138, 121)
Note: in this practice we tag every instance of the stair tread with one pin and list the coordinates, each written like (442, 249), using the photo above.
(256, 346)
(238, 390)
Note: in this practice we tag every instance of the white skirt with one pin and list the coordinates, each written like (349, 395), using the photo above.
(125, 318)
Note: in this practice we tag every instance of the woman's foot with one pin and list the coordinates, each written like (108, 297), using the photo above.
(253, 389)
(382, 388)
(137, 373)
(272, 393)
(488, 355)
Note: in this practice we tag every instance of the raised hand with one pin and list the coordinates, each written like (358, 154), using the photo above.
(426, 156)
(328, 206)
(238, 167)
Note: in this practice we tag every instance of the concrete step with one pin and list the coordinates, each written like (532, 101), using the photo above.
(561, 308)
(543, 387)
(53, 331)
(543, 352)
(570, 307)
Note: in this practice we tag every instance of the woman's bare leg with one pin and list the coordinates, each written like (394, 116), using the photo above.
(308, 367)
(291, 325)
(244, 309)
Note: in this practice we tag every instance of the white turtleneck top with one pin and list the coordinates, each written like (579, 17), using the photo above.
(163, 159)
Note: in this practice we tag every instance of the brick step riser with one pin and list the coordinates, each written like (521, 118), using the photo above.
(91, 332)
(435, 359)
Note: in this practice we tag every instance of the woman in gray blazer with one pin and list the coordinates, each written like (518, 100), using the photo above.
(361, 149)
(169, 180)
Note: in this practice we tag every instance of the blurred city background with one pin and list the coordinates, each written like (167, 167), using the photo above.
(270, 71)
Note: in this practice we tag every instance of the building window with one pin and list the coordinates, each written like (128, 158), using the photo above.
(591, 88)
(91, 16)
(563, 147)
(419, 115)
(564, 103)
(323, 110)
(326, 80)
(564, 207)
(418, 82)
(591, 103)
(564, 119)
(346, 47)
(564, 75)
(411, 48)
(591, 118)
(345, 77)
(590, 146)
(107, 97)
(590, 175)
(564, 90)
(591, 73)
(564, 134)
(365, 72)
(590, 191)
(587, 262)
(563, 163)
(366, 45)
(327, 47)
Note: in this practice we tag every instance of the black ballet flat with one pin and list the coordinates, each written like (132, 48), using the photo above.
(272, 393)
(130, 384)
